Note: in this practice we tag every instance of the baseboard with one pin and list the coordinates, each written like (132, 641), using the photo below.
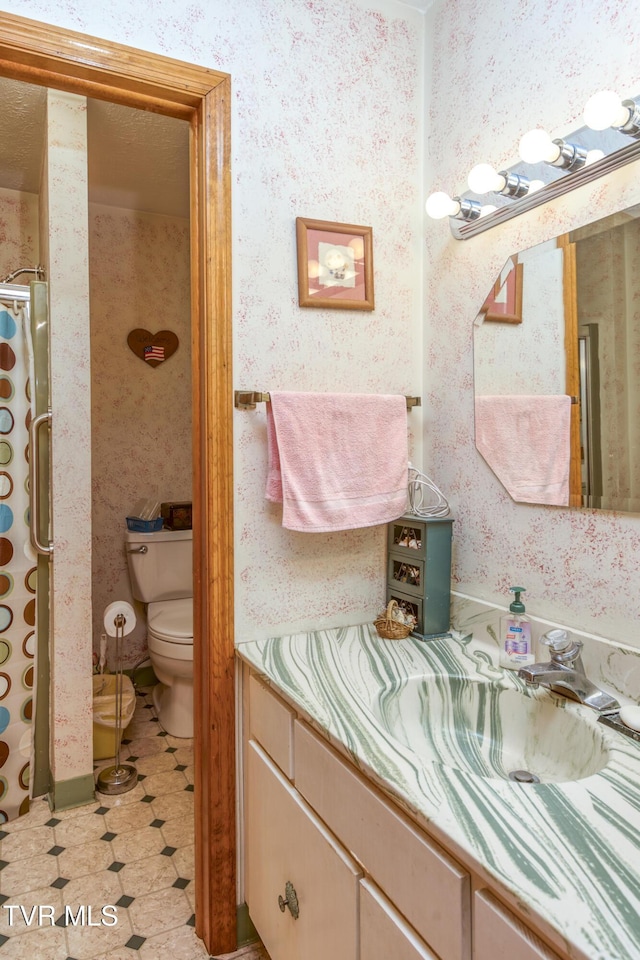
(246, 932)
(143, 676)
(76, 792)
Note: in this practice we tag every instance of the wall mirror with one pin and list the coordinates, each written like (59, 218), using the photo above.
(557, 369)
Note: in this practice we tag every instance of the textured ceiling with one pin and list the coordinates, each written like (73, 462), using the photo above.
(136, 159)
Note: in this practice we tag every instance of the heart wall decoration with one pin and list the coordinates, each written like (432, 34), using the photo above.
(153, 348)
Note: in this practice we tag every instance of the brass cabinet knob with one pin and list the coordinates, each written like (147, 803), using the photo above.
(290, 900)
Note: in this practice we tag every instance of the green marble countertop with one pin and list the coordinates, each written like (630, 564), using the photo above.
(568, 852)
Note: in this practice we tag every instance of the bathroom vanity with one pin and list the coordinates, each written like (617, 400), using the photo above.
(361, 844)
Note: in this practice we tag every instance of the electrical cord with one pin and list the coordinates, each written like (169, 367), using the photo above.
(422, 487)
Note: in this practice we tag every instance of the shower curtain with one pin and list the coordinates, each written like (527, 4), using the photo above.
(18, 564)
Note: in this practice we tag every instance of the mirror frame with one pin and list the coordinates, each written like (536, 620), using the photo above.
(65, 60)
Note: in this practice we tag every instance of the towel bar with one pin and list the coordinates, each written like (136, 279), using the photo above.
(247, 400)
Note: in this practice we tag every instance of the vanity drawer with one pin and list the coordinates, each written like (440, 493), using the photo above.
(498, 935)
(271, 724)
(428, 887)
(290, 854)
(383, 932)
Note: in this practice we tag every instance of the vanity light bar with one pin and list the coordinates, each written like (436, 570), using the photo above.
(551, 191)
(603, 111)
(247, 400)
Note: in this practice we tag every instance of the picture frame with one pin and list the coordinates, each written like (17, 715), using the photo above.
(504, 303)
(335, 265)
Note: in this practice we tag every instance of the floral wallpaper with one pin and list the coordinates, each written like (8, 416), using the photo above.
(327, 123)
(336, 116)
(18, 232)
(580, 567)
(526, 358)
(140, 414)
(65, 222)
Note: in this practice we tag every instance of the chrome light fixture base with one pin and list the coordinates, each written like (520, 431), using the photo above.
(571, 156)
(632, 127)
(515, 186)
(469, 209)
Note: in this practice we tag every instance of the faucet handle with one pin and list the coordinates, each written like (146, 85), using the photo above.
(558, 640)
(563, 648)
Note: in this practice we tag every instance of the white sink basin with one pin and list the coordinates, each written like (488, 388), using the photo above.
(489, 731)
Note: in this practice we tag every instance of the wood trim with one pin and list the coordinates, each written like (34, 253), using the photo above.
(214, 682)
(572, 383)
(43, 54)
(65, 60)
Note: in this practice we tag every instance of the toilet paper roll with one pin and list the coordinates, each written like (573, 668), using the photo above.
(112, 611)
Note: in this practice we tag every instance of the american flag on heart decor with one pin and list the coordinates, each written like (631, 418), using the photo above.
(154, 353)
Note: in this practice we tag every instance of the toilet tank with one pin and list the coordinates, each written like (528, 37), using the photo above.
(160, 564)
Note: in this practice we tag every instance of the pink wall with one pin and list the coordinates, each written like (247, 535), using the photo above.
(18, 232)
(327, 116)
(140, 415)
(65, 224)
(499, 75)
(301, 72)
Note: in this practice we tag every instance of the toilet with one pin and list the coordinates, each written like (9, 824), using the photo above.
(161, 575)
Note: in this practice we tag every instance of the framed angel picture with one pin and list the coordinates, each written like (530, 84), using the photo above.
(335, 265)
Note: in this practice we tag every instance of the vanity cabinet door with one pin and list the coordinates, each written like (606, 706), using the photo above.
(384, 934)
(426, 885)
(499, 935)
(290, 849)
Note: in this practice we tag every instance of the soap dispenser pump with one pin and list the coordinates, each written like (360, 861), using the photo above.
(516, 650)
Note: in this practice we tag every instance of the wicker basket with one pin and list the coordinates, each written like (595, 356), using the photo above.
(388, 628)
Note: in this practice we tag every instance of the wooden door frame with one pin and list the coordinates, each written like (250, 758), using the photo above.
(572, 364)
(62, 59)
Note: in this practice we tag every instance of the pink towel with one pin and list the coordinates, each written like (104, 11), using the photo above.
(526, 442)
(337, 461)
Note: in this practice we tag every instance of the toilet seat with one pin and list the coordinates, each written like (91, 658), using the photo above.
(171, 620)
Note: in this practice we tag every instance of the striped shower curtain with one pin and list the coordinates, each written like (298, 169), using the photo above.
(18, 564)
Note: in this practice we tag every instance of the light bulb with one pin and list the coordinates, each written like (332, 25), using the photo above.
(536, 185)
(537, 145)
(486, 209)
(593, 156)
(605, 109)
(484, 179)
(440, 205)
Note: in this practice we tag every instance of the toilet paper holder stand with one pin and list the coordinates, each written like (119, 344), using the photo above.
(120, 777)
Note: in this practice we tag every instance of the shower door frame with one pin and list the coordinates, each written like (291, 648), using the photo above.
(65, 60)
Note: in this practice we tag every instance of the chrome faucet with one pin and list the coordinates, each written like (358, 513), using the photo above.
(564, 673)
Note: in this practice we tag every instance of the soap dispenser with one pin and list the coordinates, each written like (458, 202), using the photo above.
(515, 635)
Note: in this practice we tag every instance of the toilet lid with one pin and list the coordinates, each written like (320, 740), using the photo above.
(172, 620)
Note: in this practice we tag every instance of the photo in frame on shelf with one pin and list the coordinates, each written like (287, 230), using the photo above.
(335, 265)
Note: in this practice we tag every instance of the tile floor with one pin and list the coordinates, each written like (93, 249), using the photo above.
(133, 852)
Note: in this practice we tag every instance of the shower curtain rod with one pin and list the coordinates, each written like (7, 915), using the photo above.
(39, 272)
(12, 291)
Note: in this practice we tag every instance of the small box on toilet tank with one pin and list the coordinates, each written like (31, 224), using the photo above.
(176, 515)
